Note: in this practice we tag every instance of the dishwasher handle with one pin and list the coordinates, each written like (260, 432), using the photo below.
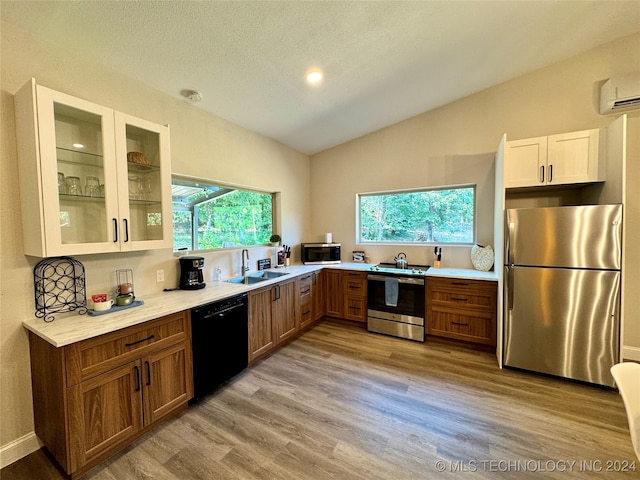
(213, 313)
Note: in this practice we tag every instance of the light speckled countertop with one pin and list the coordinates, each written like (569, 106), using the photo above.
(462, 273)
(69, 328)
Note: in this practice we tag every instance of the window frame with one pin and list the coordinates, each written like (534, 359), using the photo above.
(197, 181)
(358, 233)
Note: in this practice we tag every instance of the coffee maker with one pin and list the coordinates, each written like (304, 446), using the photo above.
(191, 277)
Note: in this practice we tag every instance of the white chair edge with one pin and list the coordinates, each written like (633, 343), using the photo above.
(627, 378)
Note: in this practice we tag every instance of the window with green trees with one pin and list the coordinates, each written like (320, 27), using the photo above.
(434, 215)
(208, 216)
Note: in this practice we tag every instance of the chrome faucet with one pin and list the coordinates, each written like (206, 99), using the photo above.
(245, 268)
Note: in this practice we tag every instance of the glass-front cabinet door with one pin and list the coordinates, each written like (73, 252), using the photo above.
(92, 180)
(144, 178)
(78, 167)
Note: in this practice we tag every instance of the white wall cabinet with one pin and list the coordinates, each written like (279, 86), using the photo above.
(81, 189)
(554, 160)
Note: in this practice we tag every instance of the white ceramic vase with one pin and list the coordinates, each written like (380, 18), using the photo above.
(482, 258)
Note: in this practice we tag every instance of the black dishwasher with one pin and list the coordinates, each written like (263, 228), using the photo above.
(220, 337)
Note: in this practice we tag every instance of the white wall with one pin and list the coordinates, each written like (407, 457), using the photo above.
(456, 144)
(202, 145)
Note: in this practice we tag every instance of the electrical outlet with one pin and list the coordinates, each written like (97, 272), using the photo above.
(159, 276)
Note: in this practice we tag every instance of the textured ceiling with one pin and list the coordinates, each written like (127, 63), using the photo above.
(383, 61)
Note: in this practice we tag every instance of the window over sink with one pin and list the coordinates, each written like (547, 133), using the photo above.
(442, 215)
(209, 215)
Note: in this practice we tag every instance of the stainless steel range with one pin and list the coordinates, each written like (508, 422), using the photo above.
(396, 300)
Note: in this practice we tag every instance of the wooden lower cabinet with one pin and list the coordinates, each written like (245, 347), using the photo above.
(165, 386)
(334, 300)
(261, 334)
(273, 317)
(285, 313)
(306, 300)
(355, 296)
(462, 309)
(346, 294)
(95, 425)
(84, 413)
(318, 294)
(311, 298)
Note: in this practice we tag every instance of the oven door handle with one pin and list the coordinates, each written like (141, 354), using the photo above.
(382, 278)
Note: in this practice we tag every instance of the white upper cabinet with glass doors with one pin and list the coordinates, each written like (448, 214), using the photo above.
(554, 160)
(92, 180)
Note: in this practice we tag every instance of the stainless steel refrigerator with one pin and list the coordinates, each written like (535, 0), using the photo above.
(562, 290)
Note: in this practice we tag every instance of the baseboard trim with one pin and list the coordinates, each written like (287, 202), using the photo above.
(20, 447)
(631, 353)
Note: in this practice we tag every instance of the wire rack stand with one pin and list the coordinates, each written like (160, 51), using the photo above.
(59, 286)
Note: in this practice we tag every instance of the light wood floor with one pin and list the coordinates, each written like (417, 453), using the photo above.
(341, 403)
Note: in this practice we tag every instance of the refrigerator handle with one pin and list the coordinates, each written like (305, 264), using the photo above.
(510, 240)
(509, 283)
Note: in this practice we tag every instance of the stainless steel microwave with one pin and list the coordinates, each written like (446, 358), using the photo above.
(320, 253)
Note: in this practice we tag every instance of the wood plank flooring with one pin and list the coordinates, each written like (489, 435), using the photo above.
(341, 403)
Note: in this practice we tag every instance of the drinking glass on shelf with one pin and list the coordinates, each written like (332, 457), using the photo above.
(92, 187)
(147, 188)
(134, 187)
(61, 187)
(72, 185)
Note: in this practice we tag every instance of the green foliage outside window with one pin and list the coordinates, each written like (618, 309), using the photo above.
(223, 217)
(182, 230)
(426, 216)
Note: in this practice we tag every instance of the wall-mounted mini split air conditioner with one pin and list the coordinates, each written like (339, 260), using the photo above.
(620, 93)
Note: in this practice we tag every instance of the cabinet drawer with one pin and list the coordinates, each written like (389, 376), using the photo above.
(458, 284)
(305, 303)
(478, 300)
(304, 288)
(306, 316)
(355, 284)
(92, 357)
(464, 327)
(460, 294)
(355, 308)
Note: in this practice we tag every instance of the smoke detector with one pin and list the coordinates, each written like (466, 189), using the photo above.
(193, 96)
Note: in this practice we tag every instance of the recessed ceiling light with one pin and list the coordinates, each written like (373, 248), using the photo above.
(314, 77)
(78, 145)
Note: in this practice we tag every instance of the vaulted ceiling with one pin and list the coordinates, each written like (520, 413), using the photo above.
(383, 61)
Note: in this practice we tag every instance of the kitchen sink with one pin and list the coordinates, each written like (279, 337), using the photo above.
(257, 277)
(268, 274)
(246, 280)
